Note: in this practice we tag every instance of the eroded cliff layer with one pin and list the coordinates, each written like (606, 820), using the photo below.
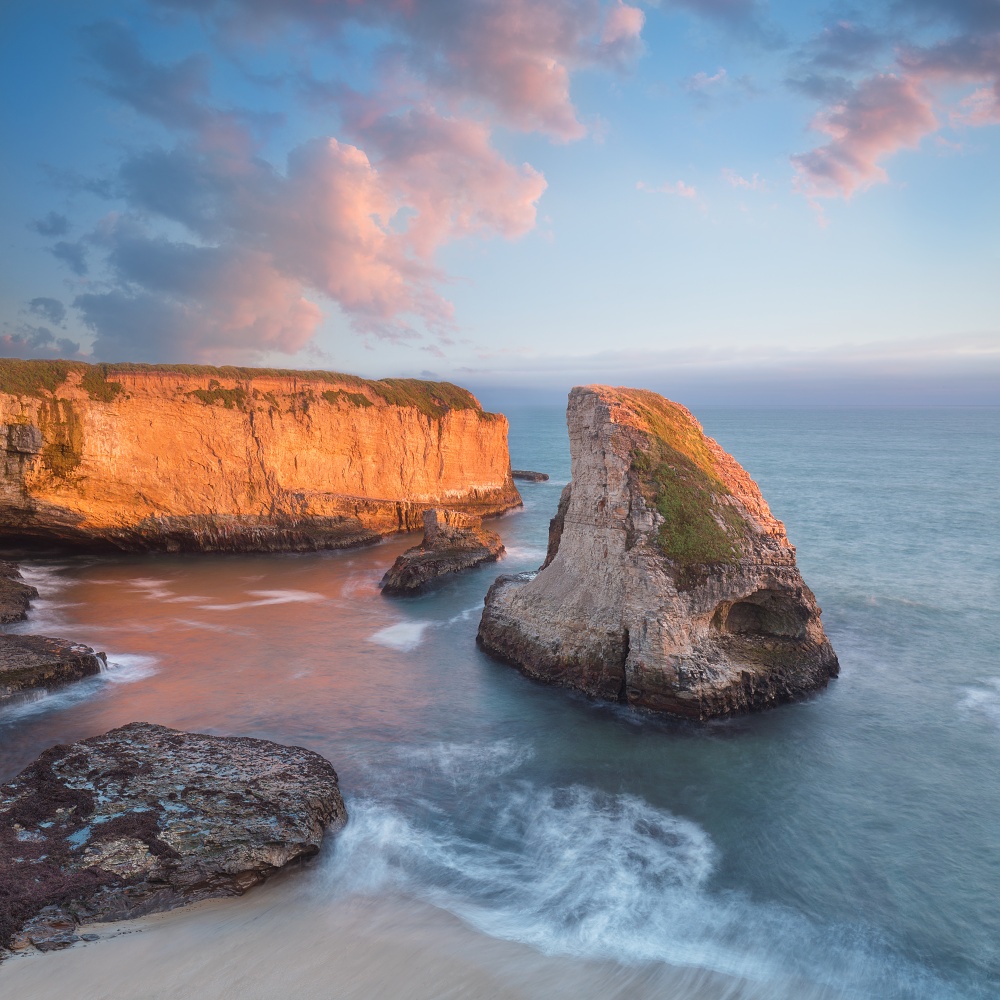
(188, 458)
(668, 583)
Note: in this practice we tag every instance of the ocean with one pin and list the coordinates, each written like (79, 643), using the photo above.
(507, 839)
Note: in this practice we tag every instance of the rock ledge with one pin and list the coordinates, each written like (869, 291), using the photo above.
(32, 661)
(452, 542)
(145, 818)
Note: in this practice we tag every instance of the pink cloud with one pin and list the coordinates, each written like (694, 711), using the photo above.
(514, 57)
(881, 116)
(756, 183)
(887, 113)
(359, 222)
(678, 188)
(702, 81)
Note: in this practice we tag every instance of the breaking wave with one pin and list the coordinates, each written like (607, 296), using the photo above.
(586, 873)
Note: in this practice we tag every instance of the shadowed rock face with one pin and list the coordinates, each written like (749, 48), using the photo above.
(15, 594)
(145, 818)
(668, 583)
(33, 661)
(191, 458)
(452, 542)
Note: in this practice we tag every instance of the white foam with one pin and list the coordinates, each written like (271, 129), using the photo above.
(465, 761)
(983, 699)
(156, 590)
(527, 553)
(266, 597)
(404, 636)
(466, 614)
(121, 668)
(127, 668)
(580, 872)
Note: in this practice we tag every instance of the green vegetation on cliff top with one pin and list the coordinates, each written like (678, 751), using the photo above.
(678, 476)
(40, 378)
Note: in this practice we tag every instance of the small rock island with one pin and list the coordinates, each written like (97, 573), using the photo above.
(668, 583)
(452, 542)
(145, 818)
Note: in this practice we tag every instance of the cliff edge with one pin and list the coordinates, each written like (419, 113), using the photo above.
(668, 583)
(193, 458)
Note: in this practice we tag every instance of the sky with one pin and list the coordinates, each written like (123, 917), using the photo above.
(725, 200)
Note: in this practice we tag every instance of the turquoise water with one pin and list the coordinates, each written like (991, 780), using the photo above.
(847, 846)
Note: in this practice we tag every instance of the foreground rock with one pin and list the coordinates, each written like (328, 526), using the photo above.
(15, 594)
(668, 583)
(530, 477)
(192, 458)
(452, 542)
(146, 818)
(34, 661)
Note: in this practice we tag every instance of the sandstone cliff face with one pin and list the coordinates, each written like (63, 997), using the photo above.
(195, 458)
(668, 583)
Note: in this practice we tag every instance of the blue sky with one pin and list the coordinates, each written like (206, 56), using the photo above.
(721, 199)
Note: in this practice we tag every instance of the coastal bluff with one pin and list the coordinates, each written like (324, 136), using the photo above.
(668, 583)
(193, 458)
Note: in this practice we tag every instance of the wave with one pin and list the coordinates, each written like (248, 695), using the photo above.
(983, 699)
(403, 636)
(585, 873)
(121, 668)
(466, 761)
(267, 597)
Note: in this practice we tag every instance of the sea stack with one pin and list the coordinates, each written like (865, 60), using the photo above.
(668, 583)
(452, 542)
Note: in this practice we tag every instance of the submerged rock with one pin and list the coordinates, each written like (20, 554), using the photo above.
(15, 594)
(668, 583)
(452, 542)
(34, 661)
(145, 818)
(529, 477)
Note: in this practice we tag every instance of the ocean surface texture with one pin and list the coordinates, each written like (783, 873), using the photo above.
(512, 840)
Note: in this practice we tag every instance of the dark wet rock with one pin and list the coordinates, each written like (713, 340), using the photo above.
(452, 542)
(529, 477)
(35, 661)
(668, 584)
(15, 594)
(145, 818)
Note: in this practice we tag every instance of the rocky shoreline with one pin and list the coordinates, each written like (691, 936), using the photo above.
(145, 818)
(36, 661)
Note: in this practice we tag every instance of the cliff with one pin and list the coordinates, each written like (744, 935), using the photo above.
(668, 583)
(189, 458)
